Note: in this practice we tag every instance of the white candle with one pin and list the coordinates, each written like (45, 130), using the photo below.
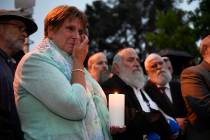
(116, 109)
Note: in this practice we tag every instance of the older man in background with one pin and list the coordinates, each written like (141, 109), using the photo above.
(128, 79)
(98, 67)
(14, 29)
(166, 93)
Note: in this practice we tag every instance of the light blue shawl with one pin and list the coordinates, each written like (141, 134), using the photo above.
(38, 109)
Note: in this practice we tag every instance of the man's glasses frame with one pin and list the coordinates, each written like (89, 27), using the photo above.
(21, 28)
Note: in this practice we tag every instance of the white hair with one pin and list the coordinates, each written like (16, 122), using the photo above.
(150, 57)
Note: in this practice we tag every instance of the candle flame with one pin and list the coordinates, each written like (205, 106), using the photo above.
(115, 92)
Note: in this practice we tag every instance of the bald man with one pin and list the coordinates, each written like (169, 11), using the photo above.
(98, 67)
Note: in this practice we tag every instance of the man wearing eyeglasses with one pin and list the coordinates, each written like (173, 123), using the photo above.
(14, 29)
(166, 93)
(128, 79)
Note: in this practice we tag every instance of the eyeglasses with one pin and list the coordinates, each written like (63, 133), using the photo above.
(155, 65)
(21, 28)
(165, 59)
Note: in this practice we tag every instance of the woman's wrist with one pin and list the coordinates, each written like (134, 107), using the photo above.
(78, 70)
(78, 65)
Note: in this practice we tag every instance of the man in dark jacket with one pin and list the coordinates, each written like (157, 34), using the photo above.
(14, 29)
(142, 116)
(164, 92)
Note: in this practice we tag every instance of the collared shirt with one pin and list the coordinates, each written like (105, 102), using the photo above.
(167, 91)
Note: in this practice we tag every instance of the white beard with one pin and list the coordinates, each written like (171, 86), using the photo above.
(134, 79)
(161, 77)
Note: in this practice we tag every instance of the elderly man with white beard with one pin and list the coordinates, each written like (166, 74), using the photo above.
(128, 79)
(166, 93)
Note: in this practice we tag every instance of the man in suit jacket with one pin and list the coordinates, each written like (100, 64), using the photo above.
(129, 79)
(170, 100)
(195, 85)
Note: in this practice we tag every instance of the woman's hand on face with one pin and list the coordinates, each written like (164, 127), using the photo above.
(81, 49)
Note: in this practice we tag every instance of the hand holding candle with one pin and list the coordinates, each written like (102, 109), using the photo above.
(116, 109)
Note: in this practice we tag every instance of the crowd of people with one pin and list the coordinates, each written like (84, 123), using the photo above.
(50, 95)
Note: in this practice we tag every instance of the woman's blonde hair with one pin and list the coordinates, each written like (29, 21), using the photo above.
(56, 17)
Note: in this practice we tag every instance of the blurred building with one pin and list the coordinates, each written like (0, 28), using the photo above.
(25, 8)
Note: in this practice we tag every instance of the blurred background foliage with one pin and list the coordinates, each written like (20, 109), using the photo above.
(146, 25)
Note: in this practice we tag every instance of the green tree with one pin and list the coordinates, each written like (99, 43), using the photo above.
(172, 32)
(121, 23)
(200, 19)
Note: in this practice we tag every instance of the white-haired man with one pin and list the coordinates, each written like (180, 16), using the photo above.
(166, 93)
(128, 79)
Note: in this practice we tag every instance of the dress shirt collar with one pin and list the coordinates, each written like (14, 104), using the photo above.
(3, 54)
(166, 86)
